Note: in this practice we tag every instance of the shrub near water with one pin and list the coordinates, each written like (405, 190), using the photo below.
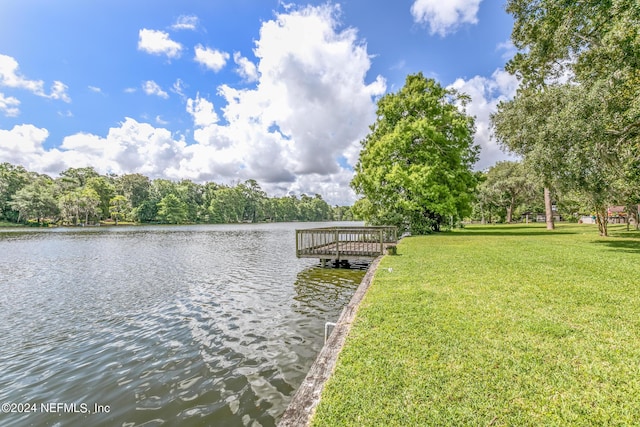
(506, 325)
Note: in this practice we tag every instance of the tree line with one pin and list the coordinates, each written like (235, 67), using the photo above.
(83, 196)
(509, 191)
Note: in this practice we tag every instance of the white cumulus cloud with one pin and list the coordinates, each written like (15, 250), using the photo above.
(485, 95)
(213, 59)
(9, 105)
(202, 112)
(10, 76)
(246, 69)
(131, 147)
(309, 110)
(445, 16)
(158, 43)
(22, 145)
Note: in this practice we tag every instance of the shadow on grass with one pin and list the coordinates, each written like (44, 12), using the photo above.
(620, 244)
(508, 231)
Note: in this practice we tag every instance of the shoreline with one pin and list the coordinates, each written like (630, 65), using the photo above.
(302, 407)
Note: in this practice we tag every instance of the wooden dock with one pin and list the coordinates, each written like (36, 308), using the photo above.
(344, 244)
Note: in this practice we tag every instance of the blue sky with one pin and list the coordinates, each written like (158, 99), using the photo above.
(213, 90)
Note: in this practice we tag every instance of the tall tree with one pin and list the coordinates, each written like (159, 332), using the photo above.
(135, 187)
(254, 199)
(12, 179)
(105, 191)
(415, 165)
(119, 208)
(35, 200)
(172, 210)
(524, 126)
(227, 206)
(191, 195)
(79, 205)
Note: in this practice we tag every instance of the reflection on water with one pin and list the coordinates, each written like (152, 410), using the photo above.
(200, 325)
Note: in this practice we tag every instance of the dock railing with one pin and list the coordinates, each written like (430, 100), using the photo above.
(345, 243)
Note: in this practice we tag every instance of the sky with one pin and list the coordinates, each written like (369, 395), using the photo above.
(225, 91)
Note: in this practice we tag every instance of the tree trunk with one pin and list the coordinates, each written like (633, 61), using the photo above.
(602, 220)
(510, 210)
(548, 209)
(627, 220)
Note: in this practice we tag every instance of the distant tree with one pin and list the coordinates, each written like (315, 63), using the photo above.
(254, 200)
(228, 205)
(288, 207)
(321, 211)
(105, 191)
(135, 187)
(192, 195)
(74, 178)
(146, 211)
(172, 210)
(79, 205)
(35, 200)
(486, 206)
(415, 165)
(343, 213)
(12, 179)
(89, 204)
(509, 185)
(119, 208)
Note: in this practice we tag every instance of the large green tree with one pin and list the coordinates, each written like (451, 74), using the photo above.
(135, 187)
(79, 206)
(12, 179)
(35, 200)
(414, 169)
(119, 208)
(172, 210)
(227, 206)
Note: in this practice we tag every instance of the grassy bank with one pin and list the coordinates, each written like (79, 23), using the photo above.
(496, 325)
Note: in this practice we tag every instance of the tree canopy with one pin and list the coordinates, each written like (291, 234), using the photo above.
(414, 169)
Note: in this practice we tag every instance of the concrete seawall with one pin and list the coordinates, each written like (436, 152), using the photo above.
(304, 402)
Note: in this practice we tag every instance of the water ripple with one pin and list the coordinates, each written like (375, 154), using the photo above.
(201, 325)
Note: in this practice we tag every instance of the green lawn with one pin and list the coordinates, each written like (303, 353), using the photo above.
(496, 325)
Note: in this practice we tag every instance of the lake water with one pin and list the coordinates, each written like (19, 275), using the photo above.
(160, 325)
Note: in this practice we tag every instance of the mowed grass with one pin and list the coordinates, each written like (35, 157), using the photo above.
(496, 326)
